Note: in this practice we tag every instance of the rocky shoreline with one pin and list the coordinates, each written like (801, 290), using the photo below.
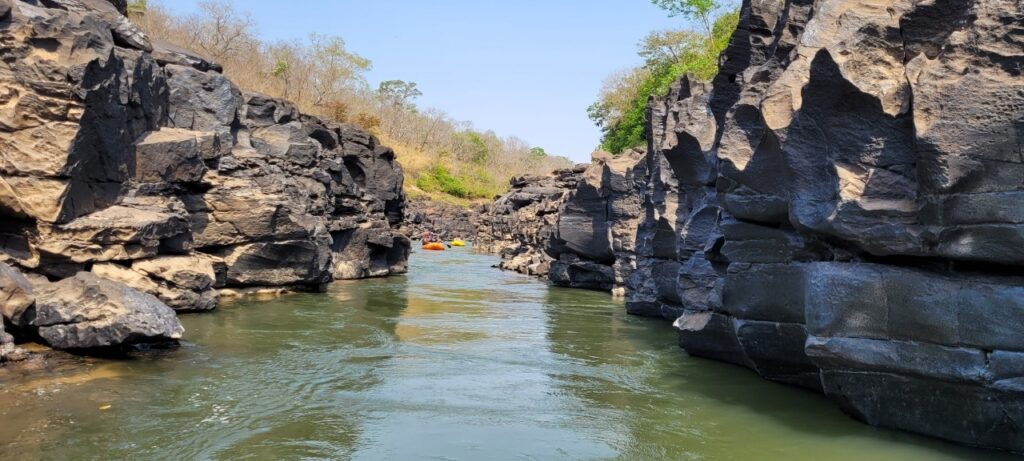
(838, 210)
(446, 220)
(136, 171)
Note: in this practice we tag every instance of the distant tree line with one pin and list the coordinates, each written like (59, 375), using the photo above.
(668, 54)
(323, 77)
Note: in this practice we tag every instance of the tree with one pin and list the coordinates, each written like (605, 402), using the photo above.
(618, 94)
(663, 47)
(700, 10)
(322, 77)
(621, 106)
(398, 93)
(220, 31)
(335, 69)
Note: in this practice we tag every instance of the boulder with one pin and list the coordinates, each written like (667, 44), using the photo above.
(280, 263)
(167, 53)
(185, 283)
(9, 352)
(16, 295)
(368, 252)
(132, 230)
(444, 219)
(519, 225)
(87, 312)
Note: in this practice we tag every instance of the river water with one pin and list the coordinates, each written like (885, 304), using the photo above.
(456, 361)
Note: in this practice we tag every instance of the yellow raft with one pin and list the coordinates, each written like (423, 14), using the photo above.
(433, 246)
(458, 243)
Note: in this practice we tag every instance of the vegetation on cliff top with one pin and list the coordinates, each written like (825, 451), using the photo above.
(442, 157)
(668, 54)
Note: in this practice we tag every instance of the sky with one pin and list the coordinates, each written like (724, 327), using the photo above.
(525, 68)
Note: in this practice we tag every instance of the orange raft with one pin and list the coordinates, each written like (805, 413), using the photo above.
(435, 246)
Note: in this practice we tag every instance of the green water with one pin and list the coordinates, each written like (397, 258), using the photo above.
(456, 361)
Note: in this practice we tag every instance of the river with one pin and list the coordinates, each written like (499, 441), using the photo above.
(455, 361)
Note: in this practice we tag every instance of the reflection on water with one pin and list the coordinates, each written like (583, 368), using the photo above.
(456, 361)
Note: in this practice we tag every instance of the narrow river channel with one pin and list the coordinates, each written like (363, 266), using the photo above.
(455, 361)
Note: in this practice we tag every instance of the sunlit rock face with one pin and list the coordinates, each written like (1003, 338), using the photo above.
(576, 227)
(141, 163)
(842, 209)
(518, 225)
(595, 234)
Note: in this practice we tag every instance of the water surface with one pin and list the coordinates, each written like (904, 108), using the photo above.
(456, 361)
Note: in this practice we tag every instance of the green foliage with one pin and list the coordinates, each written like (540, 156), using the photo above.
(670, 46)
(137, 8)
(280, 69)
(336, 69)
(439, 179)
(479, 151)
(700, 10)
(398, 93)
(538, 152)
(471, 183)
(628, 129)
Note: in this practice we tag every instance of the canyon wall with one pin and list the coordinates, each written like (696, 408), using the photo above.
(447, 220)
(842, 209)
(576, 227)
(141, 163)
(518, 225)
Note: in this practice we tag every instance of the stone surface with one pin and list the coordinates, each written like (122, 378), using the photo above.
(86, 311)
(576, 227)
(141, 162)
(16, 295)
(839, 209)
(185, 282)
(8, 351)
(519, 224)
(446, 220)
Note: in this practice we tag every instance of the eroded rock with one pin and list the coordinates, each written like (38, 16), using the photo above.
(86, 311)
(829, 211)
(142, 163)
(16, 295)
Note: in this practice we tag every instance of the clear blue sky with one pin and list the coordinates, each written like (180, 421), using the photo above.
(526, 68)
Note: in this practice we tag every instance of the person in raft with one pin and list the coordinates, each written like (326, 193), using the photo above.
(430, 237)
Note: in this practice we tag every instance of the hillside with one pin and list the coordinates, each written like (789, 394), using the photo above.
(443, 158)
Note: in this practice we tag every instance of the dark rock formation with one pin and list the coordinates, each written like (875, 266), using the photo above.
(576, 227)
(81, 312)
(841, 210)
(519, 224)
(593, 242)
(141, 163)
(86, 312)
(444, 219)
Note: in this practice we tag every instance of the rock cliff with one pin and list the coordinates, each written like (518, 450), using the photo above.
(576, 228)
(595, 231)
(142, 164)
(841, 209)
(444, 219)
(519, 224)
